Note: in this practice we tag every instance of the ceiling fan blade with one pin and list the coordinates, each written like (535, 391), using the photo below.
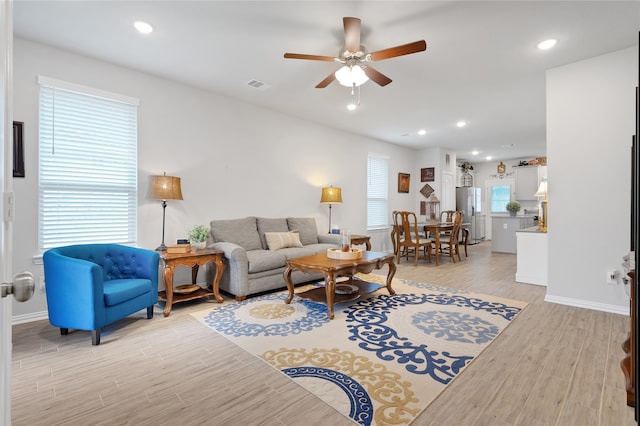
(324, 83)
(405, 49)
(351, 34)
(309, 57)
(377, 76)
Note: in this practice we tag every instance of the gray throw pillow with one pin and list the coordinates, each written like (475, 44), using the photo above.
(306, 227)
(243, 232)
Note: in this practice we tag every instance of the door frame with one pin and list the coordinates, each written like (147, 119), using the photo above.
(6, 183)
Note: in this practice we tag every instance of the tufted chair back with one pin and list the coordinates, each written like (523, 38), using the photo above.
(116, 261)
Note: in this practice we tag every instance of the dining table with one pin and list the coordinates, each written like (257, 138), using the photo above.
(436, 228)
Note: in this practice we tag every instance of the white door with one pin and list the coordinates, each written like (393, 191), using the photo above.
(6, 168)
(448, 201)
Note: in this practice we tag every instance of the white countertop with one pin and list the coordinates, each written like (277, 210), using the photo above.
(533, 229)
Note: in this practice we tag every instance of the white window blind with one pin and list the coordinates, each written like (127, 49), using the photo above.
(88, 166)
(377, 191)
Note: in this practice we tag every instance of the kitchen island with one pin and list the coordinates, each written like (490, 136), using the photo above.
(503, 231)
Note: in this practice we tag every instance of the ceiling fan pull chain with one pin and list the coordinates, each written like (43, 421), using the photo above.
(358, 95)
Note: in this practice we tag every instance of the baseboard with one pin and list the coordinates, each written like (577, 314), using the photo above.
(34, 316)
(614, 309)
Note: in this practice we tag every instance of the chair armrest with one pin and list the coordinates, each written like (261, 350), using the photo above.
(148, 262)
(74, 288)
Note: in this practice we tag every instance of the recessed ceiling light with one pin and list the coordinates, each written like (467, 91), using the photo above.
(422, 132)
(461, 123)
(351, 107)
(489, 158)
(547, 44)
(474, 152)
(143, 27)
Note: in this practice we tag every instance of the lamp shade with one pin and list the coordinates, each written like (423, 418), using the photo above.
(164, 188)
(331, 195)
(542, 189)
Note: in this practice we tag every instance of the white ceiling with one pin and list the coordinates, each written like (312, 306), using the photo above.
(481, 64)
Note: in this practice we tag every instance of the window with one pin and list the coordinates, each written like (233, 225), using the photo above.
(88, 166)
(377, 191)
(500, 196)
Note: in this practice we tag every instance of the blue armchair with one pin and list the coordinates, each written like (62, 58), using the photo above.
(90, 286)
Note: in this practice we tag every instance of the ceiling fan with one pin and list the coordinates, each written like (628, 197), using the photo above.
(356, 69)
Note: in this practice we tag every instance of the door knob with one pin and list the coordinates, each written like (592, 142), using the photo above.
(22, 287)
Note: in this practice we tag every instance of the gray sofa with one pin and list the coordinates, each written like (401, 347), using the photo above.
(256, 249)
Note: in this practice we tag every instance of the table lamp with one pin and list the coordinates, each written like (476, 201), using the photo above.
(542, 214)
(331, 196)
(164, 188)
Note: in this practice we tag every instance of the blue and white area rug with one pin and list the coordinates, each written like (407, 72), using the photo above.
(382, 359)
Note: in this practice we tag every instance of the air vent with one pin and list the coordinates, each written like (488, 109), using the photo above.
(257, 84)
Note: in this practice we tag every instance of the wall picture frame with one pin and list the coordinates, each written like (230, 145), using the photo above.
(18, 149)
(404, 182)
(428, 174)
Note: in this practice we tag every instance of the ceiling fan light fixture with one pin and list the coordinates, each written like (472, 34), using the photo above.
(351, 76)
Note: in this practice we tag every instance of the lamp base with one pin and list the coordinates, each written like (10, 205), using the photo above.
(161, 247)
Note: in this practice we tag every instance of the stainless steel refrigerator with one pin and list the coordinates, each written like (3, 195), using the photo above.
(469, 200)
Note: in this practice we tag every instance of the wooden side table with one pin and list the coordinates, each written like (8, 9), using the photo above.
(361, 239)
(194, 260)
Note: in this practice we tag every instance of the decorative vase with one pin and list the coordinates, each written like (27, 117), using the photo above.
(199, 245)
(513, 213)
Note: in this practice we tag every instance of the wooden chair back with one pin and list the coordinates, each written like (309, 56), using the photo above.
(408, 236)
(446, 215)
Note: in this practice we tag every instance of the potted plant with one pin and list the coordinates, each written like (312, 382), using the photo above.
(198, 236)
(513, 207)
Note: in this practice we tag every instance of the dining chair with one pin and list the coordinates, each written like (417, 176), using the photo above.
(446, 215)
(409, 238)
(394, 232)
(451, 244)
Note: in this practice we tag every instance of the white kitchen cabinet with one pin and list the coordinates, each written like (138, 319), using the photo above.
(526, 183)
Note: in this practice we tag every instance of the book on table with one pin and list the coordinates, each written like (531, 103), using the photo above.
(179, 248)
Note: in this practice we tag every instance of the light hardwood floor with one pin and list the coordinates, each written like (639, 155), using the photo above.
(554, 365)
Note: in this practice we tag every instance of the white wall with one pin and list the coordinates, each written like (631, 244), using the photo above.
(590, 122)
(235, 159)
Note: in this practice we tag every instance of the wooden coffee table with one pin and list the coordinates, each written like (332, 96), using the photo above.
(332, 269)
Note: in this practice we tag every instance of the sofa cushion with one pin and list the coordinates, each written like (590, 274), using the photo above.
(306, 227)
(266, 224)
(264, 260)
(120, 291)
(279, 240)
(243, 232)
